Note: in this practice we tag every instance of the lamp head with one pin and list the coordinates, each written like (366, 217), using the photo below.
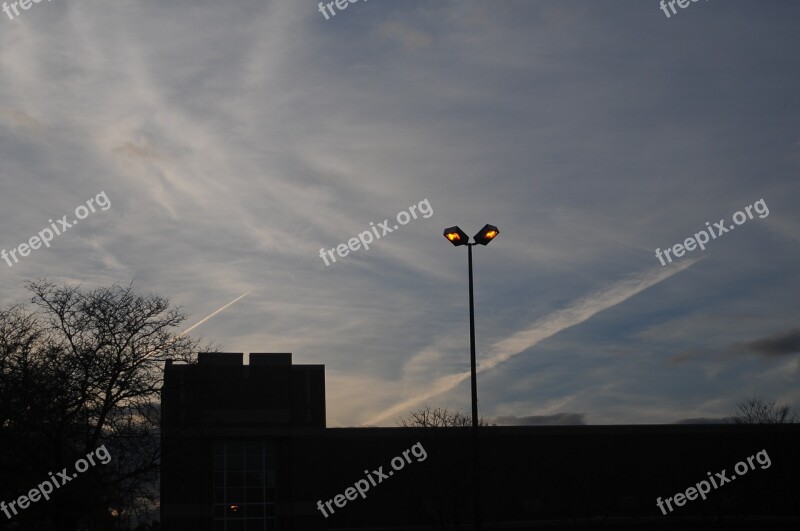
(456, 236)
(487, 234)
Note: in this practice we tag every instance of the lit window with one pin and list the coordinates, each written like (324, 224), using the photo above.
(244, 486)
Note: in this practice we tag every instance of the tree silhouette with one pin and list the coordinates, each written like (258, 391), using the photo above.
(80, 369)
(428, 417)
(756, 410)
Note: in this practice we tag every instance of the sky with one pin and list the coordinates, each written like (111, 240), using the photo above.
(237, 141)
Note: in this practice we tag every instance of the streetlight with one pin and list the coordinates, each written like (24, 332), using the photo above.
(457, 237)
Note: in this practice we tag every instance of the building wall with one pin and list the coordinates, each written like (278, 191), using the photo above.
(567, 476)
(221, 401)
(562, 476)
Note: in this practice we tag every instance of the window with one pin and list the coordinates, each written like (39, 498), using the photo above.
(244, 486)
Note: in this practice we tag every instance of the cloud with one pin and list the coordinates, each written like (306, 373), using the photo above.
(143, 152)
(410, 38)
(579, 312)
(231, 158)
(559, 419)
(782, 344)
(779, 344)
(23, 120)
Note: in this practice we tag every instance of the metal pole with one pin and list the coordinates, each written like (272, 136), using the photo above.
(475, 476)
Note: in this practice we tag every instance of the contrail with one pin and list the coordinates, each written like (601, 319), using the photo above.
(580, 311)
(234, 301)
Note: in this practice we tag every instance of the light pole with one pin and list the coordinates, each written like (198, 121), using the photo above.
(457, 237)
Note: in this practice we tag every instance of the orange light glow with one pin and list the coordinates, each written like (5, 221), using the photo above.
(453, 236)
(234, 508)
(491, 234)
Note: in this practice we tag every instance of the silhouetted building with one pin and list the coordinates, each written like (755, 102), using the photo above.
(245, 448)
(230, 458)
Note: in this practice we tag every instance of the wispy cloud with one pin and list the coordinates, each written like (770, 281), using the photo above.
(234, 157)
(575, 314)
(781, 344)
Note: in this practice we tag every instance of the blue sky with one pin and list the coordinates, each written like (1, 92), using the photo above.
(234, 140)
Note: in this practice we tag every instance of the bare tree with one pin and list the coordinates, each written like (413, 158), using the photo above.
(756, 410)
(81, 369)
(428, 417)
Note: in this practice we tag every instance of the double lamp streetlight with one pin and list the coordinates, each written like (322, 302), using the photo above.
(458, 237)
